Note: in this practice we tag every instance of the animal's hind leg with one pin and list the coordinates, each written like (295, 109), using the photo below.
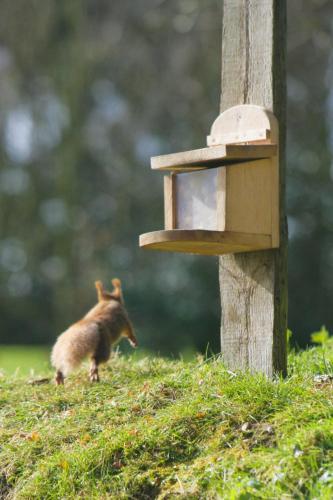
(101, 354)
(93, 374)
(59, 377)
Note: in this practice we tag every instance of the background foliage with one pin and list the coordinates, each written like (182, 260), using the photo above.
(89, 90)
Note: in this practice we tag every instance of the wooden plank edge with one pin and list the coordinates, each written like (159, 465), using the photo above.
(200, 159)
(169, 202)
(252, 135)
(243, 241)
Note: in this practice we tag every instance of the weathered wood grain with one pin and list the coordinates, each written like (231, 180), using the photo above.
(169, 202)
(254, 285)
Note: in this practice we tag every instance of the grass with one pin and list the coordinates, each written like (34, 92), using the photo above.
(24, 360)
(154, 428)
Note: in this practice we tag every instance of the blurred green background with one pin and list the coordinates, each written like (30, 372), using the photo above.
(89, 90)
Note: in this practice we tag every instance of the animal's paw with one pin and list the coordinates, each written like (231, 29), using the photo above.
(59, 378)
(94, 377)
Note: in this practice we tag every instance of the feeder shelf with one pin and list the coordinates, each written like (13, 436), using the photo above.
(213, 156)
(199, 241)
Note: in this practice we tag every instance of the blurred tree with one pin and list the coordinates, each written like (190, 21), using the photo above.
(310, 187)
(89, 90)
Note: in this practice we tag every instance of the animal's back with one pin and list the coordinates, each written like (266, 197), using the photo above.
(111, 316)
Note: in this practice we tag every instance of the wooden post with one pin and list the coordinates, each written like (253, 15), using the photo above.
(254, 285)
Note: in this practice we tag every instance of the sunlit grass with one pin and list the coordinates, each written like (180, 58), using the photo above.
(24, 360)
(35, 360)
(155, 428)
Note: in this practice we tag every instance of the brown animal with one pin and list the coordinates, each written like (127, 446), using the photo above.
(105, 324)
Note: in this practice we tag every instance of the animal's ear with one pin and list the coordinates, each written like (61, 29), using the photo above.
(100, 290)
(116, 282)
(117, 292)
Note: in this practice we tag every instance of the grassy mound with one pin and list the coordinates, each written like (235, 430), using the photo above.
(167, 429)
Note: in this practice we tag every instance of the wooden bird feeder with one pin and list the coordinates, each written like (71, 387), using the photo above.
(223, 198)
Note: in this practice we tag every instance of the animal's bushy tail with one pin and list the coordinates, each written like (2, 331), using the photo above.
(72, 346)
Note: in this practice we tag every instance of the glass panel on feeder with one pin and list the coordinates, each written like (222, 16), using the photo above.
(196, 201)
